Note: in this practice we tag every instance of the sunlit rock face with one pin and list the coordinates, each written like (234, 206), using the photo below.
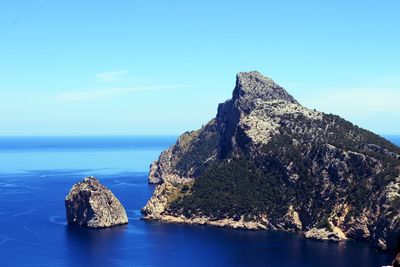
(91, 204)
(267, 162)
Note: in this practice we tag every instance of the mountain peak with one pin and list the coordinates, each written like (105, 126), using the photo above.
(252, 85)
(281, 166)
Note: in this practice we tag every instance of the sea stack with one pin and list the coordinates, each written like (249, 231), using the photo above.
(91, 204)
(267, 162)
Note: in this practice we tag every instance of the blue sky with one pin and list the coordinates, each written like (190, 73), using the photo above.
(161, 67)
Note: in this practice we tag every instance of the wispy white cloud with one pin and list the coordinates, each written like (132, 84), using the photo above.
(110, 76)
(90, 95)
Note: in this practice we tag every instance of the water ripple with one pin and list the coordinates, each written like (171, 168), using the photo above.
(28, 212)
(58, 220)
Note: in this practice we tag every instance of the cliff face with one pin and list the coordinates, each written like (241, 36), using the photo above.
(267, 162)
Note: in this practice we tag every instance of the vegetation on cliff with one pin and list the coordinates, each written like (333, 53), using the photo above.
(266, 156)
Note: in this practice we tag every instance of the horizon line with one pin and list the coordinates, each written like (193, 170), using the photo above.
(124, 135)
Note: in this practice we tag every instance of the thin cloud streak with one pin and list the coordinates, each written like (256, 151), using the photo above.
(110, 76)
(75, 96)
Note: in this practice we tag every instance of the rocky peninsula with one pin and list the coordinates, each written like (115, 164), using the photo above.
(267, 162)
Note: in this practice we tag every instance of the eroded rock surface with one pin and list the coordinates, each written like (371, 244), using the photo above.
(91, 204)
(267, 162)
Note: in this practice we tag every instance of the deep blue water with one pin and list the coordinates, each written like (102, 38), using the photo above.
(37, 173)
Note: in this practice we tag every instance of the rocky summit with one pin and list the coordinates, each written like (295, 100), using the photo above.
(91, 204)
(267, 162)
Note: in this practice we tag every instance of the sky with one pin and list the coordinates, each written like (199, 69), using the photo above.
(162, 67)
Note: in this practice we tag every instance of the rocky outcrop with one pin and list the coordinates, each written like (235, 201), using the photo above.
(91, 204)
(325, 234)
(189, 157)
(267, 162)
(386, 229)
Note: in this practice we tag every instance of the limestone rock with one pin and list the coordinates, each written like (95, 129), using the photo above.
(154, 174)
(279, 165)
(91, 204)
(324, 235)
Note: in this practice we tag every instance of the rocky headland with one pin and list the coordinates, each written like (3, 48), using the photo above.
(267, 162)
(91, 204)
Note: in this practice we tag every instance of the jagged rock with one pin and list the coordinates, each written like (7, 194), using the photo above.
(279, 165)
(358, 229)
(91, 204)
(324, 235)
(154, 175)
(291, 221)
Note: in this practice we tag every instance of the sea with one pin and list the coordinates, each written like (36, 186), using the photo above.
(36, 173)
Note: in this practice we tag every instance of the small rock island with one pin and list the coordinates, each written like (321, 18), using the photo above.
(91, 204)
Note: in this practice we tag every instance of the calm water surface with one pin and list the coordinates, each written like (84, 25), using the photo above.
(37, 173)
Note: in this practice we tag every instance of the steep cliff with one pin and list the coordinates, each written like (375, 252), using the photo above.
(267, 162)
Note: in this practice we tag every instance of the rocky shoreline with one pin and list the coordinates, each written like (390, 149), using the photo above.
(225, 223)
(321, 234)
